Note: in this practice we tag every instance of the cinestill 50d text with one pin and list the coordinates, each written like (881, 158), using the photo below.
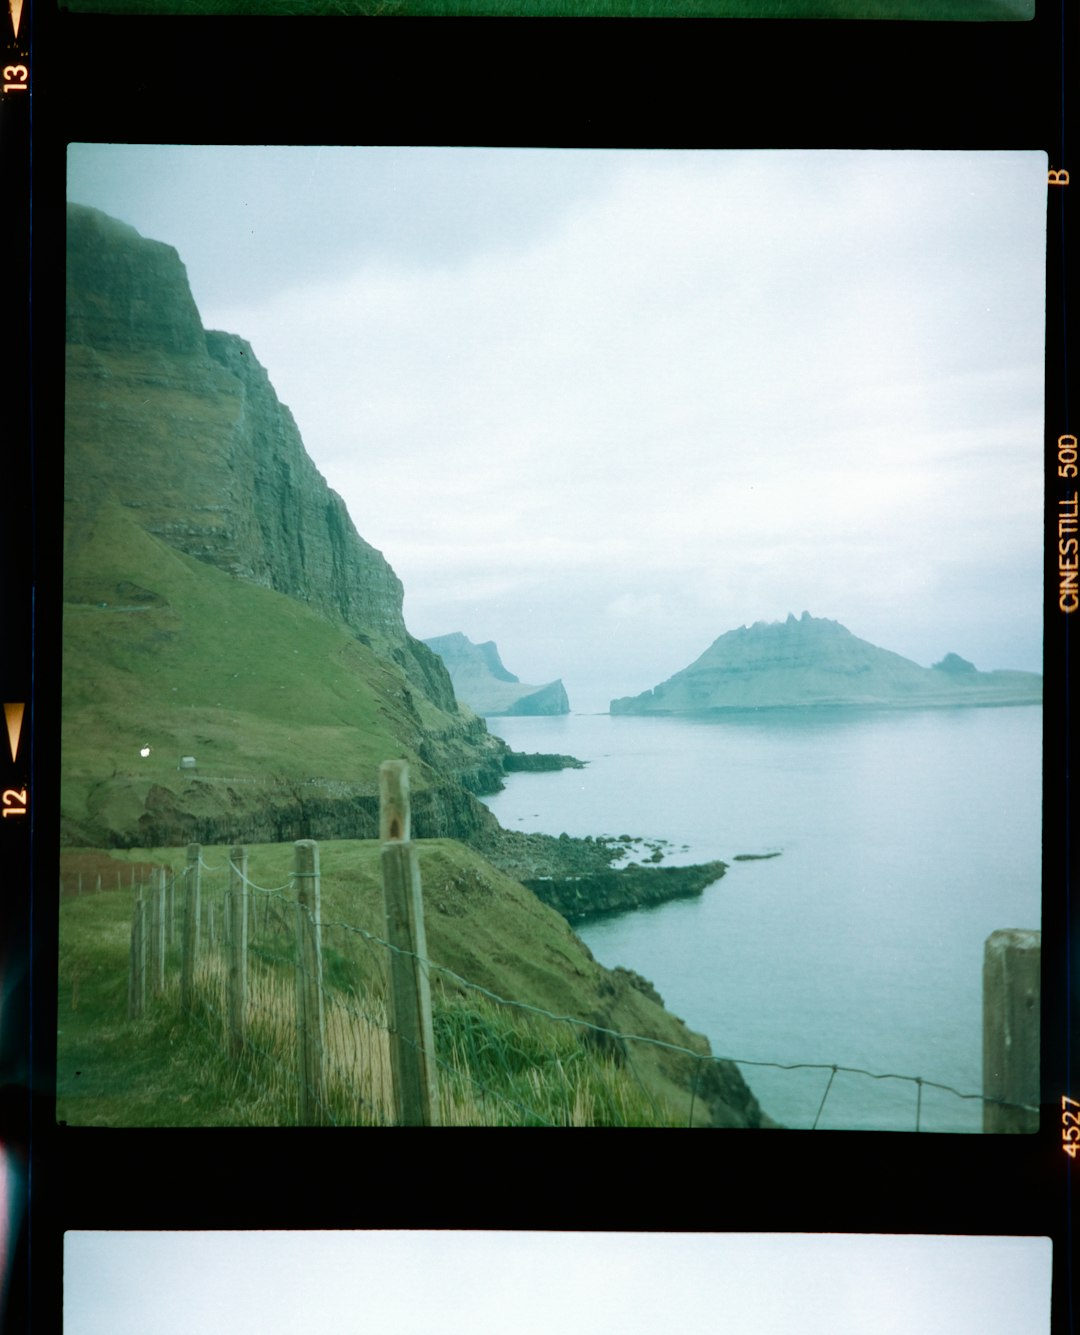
(1068, 544)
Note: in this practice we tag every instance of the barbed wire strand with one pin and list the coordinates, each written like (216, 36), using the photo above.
(261, 888)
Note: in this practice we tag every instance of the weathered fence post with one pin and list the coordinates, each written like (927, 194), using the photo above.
(1011, 1030)
(137, 967)
(412, 1039)
(238, 913)
(157, 931)
(309, 997)
(170, 908)
(191, 926)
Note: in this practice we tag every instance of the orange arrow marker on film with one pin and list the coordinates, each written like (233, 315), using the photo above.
(15, 7)
(14, 716)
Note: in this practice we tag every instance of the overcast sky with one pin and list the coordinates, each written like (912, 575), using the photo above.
(603, 406)
(351, 1283)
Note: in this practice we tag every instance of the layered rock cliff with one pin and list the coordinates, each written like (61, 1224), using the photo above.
(811, 661)
(183, 426)
(176, 433)
(484, 684)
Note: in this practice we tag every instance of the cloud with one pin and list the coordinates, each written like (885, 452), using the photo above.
(719, 384)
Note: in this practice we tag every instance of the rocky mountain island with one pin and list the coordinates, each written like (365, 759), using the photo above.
(812, 661)
(483, 683)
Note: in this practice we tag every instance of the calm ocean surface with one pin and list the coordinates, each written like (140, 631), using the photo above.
(905, 839)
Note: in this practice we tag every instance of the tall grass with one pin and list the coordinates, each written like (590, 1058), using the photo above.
(356, 1049)
(496, 1066)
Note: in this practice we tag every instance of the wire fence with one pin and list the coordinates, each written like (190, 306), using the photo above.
(331, 1063)
(305, 1008)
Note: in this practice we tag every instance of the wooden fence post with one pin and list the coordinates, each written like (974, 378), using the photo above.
(395, 807)
(170, 908)
(309, 996)
(157, 931)
(141, 958)
(137, 966)
(238, 913)
(1011, 1030)
(412, 1039)
(191, 927)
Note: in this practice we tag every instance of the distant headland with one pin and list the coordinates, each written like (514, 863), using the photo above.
(483, 683)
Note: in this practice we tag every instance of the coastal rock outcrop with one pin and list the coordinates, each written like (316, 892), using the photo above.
(811, 661)
(621, 890)
(484, 684)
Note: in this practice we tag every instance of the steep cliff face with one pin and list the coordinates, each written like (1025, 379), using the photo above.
(179, 432)
(812, 661)
(184, 427)
(125, 293)
(485, 685)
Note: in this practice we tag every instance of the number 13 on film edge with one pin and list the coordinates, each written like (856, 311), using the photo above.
(16, 78)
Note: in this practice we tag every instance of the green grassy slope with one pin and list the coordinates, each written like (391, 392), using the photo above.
(480, 924)
(192, 662)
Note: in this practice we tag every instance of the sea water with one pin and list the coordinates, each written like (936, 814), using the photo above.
(903, 839)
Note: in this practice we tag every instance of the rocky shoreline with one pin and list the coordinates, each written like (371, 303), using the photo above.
(515, 762)
(633, 887)
(580, 878)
